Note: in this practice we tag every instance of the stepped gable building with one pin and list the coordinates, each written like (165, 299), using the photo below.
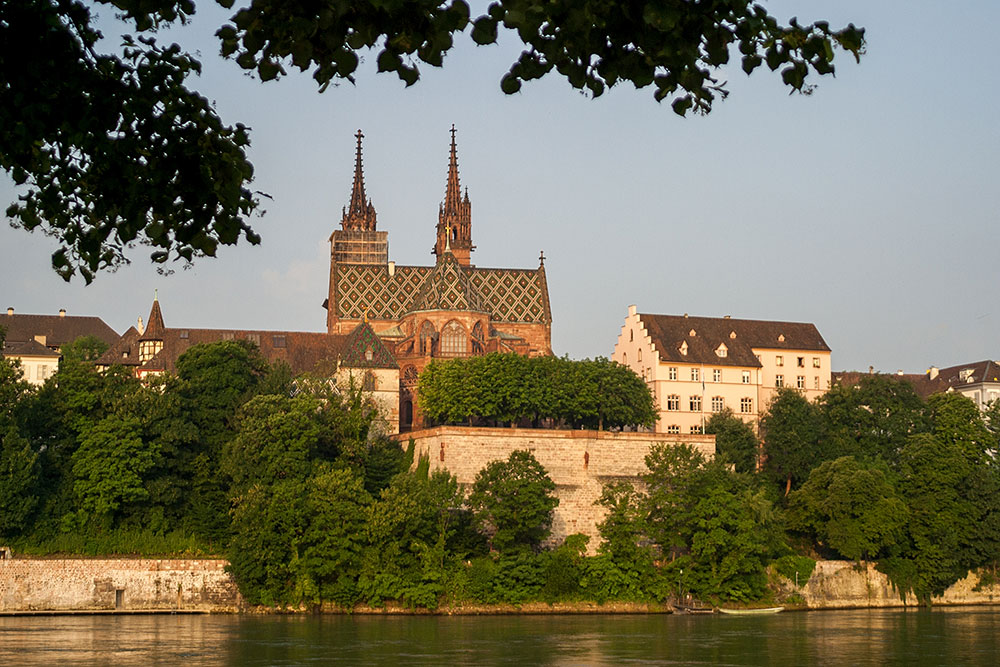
(697, 366)
(450, 309)
(36, 340)
(358, 355)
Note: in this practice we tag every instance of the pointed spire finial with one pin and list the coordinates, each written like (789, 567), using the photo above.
(360, 214)
(447, 238)
(156, 294)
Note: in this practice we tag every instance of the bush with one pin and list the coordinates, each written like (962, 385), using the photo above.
(790, 566)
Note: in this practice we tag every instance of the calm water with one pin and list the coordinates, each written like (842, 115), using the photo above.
(968, 636)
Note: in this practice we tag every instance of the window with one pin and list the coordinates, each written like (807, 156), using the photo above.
(718, 404)
(779, 380)
(254, 338)
(815, 362)
(624, 358)
(631, 335)
(697, 429)
(746, 377)
(278, 341)
(228, 336)
(779, 360)
(800, 381)
(695, 403)
(673, 402)
(716, 375)
(453, 340)
(369, 383)
(42, 372)
(183, 333)
(816, 382)
(800, 362)
(695, 375)
(639, 352)
(746, 405)
(672, 373)
(369, 355)
(722, 351)
(673, 428)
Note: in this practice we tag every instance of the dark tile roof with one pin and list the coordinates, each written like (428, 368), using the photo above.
(154, 326)
(922, 383)
(57, 329)
(741, 337)
(124, 351)
(979, 371)
(27, 348)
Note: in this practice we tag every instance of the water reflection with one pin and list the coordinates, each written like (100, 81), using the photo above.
(863, 637)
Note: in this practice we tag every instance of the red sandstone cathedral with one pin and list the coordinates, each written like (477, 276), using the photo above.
(451, 309)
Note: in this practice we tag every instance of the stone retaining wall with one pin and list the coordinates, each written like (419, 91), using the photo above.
(125, 584)
(840, 584)
(579, 462)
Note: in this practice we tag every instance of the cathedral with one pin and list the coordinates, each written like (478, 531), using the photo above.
(451, 309)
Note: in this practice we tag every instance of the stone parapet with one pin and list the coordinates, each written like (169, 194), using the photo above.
(79, 584)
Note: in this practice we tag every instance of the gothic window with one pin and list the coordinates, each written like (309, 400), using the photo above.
(426, 338)
(410, 374)
(453, 340)
(369, 383)
(477, 338)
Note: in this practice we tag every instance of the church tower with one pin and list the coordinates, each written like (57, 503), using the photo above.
(357, 241)
(454, 228)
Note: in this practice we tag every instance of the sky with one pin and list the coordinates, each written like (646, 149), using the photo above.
(869, 208)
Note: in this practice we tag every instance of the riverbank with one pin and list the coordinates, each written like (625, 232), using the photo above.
(139, 585)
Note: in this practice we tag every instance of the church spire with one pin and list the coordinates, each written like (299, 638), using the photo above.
(454, 228)
(360, 215)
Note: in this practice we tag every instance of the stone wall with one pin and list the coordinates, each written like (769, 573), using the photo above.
(841, 584)
(105, 584)
(579, 462)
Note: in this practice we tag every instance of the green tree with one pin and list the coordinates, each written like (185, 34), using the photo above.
(735, 440)
(18, 478)
(793, 433)
(109, 469)
(850, 507)
(623, 569)
(89, 120)
(873, 418)
(512, 501)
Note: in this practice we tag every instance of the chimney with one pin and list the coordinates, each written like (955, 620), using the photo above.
(932, 373)
(62, 312)
(899, 372)
(392, 269)
(10, 310)
(871, 369)
(139, 326)
(726, 317)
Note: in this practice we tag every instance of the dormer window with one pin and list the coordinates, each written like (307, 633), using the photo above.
(369, 355)
(781, 338)
(722, 351)
(732, 335)
(684, 348)
(692, 333)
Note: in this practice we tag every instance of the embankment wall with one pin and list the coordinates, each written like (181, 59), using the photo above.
(579, 462)
(838, 584)
(126, 584)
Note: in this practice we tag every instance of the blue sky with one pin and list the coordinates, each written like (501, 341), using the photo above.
(869, 208)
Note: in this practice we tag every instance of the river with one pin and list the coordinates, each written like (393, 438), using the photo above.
(942, 636)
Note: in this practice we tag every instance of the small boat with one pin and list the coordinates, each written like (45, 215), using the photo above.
(751, 612)
(690, 609)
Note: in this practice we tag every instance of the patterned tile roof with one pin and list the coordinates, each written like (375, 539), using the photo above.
(448, 288)
(509, 295)
(363, 348)
(670, 332)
